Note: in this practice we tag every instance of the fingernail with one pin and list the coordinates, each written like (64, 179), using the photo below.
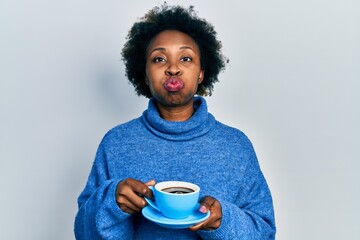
(202, 209)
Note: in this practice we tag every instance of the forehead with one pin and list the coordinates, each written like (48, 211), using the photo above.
(172, 38)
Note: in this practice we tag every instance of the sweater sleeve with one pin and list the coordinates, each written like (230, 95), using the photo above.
(99, 216)
(251, 216)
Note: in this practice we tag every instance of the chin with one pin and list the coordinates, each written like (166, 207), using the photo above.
(175, 99)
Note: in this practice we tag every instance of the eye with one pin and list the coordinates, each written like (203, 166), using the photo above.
(186, 59)
(158, 59)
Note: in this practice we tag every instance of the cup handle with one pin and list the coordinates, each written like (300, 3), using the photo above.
(151, 202)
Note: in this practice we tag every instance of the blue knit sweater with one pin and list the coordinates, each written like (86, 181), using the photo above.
(218, 158)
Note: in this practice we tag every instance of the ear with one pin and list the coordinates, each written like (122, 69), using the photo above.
(146, 80)
(201, 76)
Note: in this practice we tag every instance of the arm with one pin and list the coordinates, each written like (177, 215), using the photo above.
(252, 219)
(99, 216)
(251, 216)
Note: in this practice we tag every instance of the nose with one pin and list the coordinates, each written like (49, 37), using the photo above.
(172, 70)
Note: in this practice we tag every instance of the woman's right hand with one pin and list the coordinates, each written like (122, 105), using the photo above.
(130, 194)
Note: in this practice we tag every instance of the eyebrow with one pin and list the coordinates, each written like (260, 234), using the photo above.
(164, 49)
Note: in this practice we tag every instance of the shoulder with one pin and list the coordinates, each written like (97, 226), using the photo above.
(230, 133)
(123, 131)
(239, 142)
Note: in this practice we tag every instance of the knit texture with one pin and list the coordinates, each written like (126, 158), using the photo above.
(218, 158)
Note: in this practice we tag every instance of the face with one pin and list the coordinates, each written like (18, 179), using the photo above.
(173, 69)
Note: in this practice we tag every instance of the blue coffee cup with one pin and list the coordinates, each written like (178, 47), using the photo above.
(175, 199)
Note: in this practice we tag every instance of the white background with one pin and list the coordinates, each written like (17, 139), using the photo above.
(292, 85)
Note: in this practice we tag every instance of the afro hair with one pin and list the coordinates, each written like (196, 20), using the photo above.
(177, 18)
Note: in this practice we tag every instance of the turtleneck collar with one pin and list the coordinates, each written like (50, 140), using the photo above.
(199, 124)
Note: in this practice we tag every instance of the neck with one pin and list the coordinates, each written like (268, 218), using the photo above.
(176, 114)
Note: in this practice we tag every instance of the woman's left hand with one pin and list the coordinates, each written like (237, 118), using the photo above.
(214, 221)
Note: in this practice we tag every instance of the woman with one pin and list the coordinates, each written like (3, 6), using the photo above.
(172, 55)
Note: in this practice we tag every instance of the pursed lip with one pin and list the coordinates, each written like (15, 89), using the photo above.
(174, 84)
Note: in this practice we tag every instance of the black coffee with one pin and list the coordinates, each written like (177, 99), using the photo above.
(178, 190)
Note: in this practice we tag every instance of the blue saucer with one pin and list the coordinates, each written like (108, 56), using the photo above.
(155, 216)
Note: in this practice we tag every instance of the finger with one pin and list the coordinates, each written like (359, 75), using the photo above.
(134, 198)
(214, 221)
(197, 227)
(128, 210)
(215, 217)
(149, 193)
(126, 205)
(205, 225)
(206, 204)
(126, 194)
(139, 187)
(209, 224)
(150, 183)
(214, 225)
(131, 202)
